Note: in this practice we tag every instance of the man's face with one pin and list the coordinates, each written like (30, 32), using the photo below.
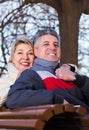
(48, 48)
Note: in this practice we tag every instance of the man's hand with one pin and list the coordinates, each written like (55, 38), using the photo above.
(65, 73)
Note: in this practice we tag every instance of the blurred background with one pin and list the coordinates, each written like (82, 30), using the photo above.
(18, 18)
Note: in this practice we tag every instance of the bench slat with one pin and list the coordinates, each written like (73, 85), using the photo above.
(44, 114)
(46, 117)
(22, 123)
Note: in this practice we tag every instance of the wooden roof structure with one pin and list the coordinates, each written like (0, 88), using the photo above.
(69, 12)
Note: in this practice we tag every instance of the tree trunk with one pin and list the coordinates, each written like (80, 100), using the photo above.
(69, 12)
(69, 28)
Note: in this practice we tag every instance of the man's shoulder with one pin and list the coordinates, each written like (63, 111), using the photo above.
(31, 72)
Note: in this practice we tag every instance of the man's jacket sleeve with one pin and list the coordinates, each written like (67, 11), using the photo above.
(28, 90)
(82, 90)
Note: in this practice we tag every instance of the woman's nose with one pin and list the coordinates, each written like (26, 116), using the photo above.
(25, 56)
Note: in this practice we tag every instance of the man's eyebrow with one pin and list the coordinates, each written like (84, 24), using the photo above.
(45, 41)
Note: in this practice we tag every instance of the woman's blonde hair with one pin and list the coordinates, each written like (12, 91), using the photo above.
(14, 45)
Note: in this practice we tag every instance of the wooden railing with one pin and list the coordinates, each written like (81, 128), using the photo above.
(46, 117)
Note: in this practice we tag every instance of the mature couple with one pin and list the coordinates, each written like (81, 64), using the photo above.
(46, 82)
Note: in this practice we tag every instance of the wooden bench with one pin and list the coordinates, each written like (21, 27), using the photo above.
(45, 117)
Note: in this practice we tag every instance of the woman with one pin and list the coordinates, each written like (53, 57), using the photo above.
(21, 58)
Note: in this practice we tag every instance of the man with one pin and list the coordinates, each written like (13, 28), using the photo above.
(45, 82)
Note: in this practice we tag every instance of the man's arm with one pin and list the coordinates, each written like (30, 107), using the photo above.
(28, 90)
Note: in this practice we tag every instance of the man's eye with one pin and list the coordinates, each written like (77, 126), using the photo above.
(56, 45)
(46, 44)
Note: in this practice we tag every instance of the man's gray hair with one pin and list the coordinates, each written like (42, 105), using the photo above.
(43, 32)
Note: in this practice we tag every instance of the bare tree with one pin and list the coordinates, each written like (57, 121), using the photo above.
(24, 19)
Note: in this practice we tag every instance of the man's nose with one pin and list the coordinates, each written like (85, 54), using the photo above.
(52, 46)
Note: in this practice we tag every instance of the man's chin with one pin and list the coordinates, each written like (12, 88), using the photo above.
(52, 60)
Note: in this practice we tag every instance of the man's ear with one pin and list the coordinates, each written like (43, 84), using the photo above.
(35, 52)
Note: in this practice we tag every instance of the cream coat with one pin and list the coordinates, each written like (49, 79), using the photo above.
(6, 81)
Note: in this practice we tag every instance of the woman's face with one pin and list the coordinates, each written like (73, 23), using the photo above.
(23, 56)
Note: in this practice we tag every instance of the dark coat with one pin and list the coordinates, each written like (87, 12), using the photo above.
(29, 90)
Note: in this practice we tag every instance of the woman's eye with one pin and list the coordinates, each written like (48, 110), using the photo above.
(31, 53)
(19, 53)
